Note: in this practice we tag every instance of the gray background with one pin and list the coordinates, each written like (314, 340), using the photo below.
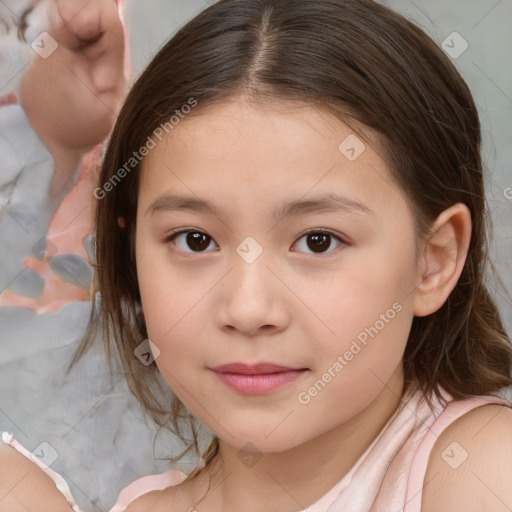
(486, 66)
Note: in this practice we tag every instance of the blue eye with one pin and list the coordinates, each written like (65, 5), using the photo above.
(317, 241)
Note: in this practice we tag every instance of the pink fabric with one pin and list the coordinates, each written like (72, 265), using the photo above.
(388, 476)
(147, 484)
(9, 99)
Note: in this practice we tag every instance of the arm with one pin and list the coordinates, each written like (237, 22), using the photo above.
(482, 482)
(72, 97)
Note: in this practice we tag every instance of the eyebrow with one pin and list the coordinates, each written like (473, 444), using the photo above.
(323, 204)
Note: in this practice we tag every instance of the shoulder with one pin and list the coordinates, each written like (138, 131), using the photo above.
(25, 487)
(470, 465)
(178, 497)
(184, 496)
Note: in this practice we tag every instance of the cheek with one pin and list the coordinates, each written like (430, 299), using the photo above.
(357, 363)
(367, 307)
(174, 325)
(173, 308)
(366, 348)
(158, 298)
(375, 292)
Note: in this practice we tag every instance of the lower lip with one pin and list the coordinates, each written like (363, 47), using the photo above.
(258, 384)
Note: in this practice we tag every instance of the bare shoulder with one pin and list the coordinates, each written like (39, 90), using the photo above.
(470, 466)
(25, 487)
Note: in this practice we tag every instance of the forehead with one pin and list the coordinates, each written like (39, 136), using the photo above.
(240, 152)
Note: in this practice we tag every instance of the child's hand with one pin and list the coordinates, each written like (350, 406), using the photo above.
(72, 97)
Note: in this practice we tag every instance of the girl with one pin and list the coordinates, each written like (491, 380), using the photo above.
(291, 233)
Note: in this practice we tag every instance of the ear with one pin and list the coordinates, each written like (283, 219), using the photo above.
(443, 258)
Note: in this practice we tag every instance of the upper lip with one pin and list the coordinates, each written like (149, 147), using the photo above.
(253, 369)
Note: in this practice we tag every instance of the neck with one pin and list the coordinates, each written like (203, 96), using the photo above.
(295, 479)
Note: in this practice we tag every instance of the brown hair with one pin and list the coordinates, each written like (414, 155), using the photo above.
(368, 66)
(22, 20)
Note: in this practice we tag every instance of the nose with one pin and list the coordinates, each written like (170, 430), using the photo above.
(252, 299)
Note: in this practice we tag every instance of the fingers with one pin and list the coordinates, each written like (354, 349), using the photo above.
(81, 18)
(109, 70)
(71, 98)
(93, 30)
(71, 24)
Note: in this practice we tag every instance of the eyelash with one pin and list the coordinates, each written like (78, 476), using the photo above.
(169, 238)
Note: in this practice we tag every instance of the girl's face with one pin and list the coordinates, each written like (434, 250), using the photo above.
(229, 272)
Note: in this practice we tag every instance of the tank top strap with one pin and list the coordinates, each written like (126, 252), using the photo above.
(146, 484)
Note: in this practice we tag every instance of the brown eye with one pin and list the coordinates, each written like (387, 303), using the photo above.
(319, 242)
(190, 241)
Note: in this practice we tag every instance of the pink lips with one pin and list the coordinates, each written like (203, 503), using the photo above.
(256, 379)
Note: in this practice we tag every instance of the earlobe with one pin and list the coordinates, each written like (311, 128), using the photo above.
(443, 258)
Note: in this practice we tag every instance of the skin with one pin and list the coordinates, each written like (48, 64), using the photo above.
(291, 306)
(72, 97)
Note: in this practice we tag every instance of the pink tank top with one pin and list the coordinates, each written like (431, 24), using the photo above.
(388, 476)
